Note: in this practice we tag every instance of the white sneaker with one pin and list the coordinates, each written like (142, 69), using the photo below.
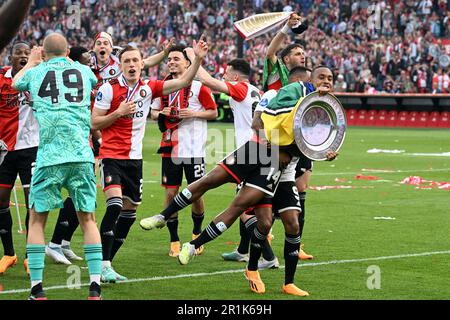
(119, 277)
(153, 222)
(187, 253)
(57, 255)
(69, 254)
(235, 256)
(272, 264)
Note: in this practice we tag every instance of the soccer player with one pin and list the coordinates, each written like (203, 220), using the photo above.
(298, 73)
(243, 96)
(183, 119)
(277, 119)
(106, 65)
(276, 71)
(60, 91)
(20, 132)
(120, 111)
(11, 16)
(285, 204)
(59, 246)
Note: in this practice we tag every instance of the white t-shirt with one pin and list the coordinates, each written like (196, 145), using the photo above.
(243, 99)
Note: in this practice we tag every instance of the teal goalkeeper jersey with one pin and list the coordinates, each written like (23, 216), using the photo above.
(60, 93)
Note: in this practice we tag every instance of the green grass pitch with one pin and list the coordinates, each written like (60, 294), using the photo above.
(356, 255)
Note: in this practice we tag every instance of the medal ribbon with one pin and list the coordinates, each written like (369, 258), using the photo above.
(130, 91)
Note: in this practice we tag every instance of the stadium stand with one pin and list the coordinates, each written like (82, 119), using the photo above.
(400, 52)
(373, 46)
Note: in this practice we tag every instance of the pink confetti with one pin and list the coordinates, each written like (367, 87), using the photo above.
(413, 180)
(444, 186)
(363, 177)
(423, 184)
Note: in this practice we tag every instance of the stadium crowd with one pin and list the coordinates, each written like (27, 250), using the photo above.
(373, 46)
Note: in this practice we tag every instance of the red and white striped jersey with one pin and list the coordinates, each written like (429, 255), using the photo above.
(109, 71)
(123, 139)
(188, 140)
(244, 98)
(18, 126)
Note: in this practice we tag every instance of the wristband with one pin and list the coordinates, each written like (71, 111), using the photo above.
(285, 29)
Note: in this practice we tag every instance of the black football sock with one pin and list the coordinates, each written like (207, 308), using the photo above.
(62, 224)
(73, 223)
(301, 217)
(256, 242)
(291, 249)
(211, 232)
(197, 219)
(172, 225)
(179, 202)
(6, 231)
(113, 208)
(122, 228)
(245, 231)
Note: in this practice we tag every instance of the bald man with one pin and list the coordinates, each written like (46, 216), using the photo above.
(11, 17)
(60, 90)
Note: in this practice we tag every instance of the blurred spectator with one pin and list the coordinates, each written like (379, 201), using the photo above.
(440, 82)
(340, 85)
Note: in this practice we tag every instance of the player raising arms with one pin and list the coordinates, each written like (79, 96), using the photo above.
(120, 111)
(276, 73)
(106, 65)
(183, 117)
(20, 131)
(60, 91)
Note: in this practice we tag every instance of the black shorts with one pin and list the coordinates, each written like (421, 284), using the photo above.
(124, 174)
(172, 170)
(19, 162)
(254, 164)
(303, 165)
(286, 198)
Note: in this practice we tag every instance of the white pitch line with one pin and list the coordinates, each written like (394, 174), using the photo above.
(204, 274)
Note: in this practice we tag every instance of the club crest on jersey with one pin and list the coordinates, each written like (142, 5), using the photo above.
(108, 179)
(143, 93)
(112, 72)
(99, 96)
